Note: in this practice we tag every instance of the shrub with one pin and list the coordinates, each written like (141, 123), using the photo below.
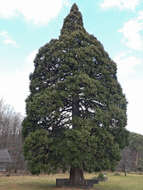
(102, 177)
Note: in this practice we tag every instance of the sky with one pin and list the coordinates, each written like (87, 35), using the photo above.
(27, 25)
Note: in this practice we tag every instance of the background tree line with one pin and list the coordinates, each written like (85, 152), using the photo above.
(132, 155)
(10, 134)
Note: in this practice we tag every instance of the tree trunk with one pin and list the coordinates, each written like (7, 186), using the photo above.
(75, 111)
(124, 169)
(137, 159)
(76, 177)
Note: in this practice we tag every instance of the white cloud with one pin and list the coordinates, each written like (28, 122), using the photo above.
(121, 4)
(131, 31)
(15, 86)
(134, 92)
(6, 39)
(126, 64)
(12, 89)
(132, 87)
(38, 12)
(67, 3)
(30, 58)
(140, 15)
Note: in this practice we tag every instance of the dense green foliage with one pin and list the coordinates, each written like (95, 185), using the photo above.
(77, 102)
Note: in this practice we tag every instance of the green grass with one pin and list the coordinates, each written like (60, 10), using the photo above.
(47, 182)
(130, 182)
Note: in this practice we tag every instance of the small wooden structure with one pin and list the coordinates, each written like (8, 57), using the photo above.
(64, 182)
(5, 160)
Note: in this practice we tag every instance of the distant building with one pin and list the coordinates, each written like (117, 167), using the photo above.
(5, 160)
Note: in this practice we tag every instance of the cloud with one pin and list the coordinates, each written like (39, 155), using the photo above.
(12, 89)
(121, 4)
(30, 58)
(37, 12)
(6, 39)
(131, 84)
(126, 64)
(140, 15)
(134, 92)
(15, 85)
(131, 31)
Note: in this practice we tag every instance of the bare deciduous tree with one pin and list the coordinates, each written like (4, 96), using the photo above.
(10, 134)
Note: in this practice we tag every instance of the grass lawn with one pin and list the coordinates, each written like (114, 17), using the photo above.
(47, 182)
(130, 182)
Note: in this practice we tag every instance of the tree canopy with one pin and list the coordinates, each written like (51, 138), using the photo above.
(76, 110)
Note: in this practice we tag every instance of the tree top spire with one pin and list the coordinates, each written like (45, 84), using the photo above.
(74, 7)
(73, 21)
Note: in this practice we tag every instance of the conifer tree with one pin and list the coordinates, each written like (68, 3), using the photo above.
(76, 111)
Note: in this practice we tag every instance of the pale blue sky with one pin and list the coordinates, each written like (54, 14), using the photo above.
(27, 25)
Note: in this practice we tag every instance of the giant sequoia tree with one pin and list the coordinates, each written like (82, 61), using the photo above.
(76, 111)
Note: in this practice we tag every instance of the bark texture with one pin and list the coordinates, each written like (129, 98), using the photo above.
(76, 177)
